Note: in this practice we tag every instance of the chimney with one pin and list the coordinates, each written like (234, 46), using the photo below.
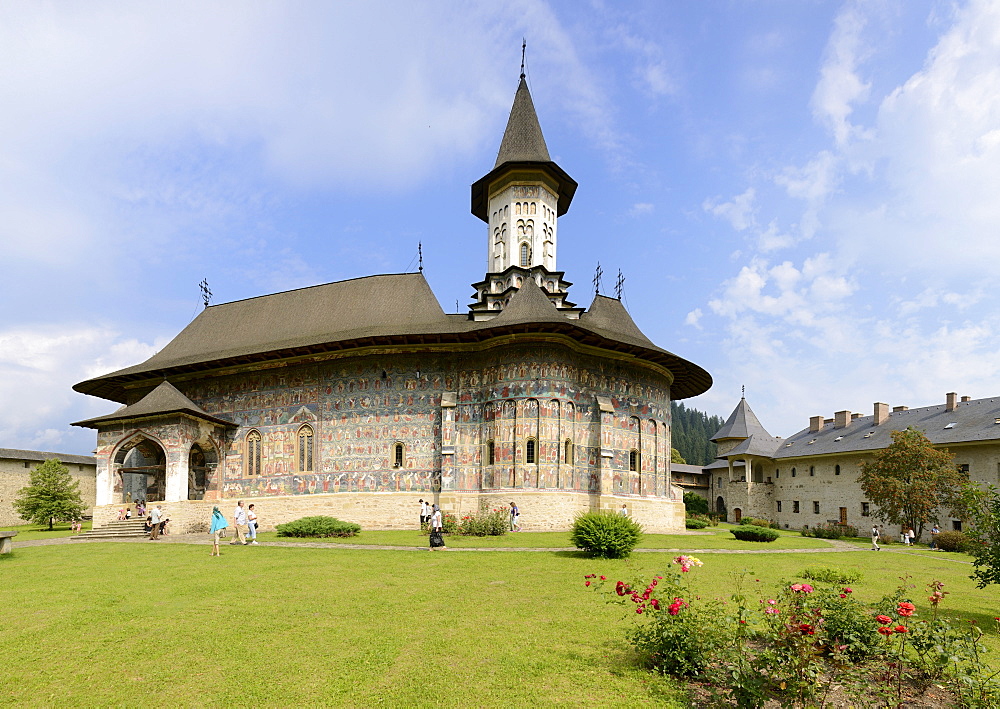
(881, 413)
(855, 416)
(966, 399)
(951, 401)
(900, 408)
(815, 424)
(841, 419)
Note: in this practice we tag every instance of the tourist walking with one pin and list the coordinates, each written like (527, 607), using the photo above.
(515, 518)
(910, 536)
(425, 513)
(154, 520)
(252, 524)
(218, 525)
(240, 522)
(624, 511)
(437, 530)
(875, 546)
(935, 531)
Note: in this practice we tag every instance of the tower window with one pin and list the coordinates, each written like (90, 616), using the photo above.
(397, 455)
(633, 460)
(490, 453)
(252, 460)
(529, 451)
(525, 255)
(306, 449)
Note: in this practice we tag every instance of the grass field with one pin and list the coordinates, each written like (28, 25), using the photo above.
(102, 624)
(28, 532)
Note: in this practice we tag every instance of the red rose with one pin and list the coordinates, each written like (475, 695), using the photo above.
(885, 631)
(900, 628)
(883, 619)
(586, 583)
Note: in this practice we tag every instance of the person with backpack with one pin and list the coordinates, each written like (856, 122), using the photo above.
(875, 546)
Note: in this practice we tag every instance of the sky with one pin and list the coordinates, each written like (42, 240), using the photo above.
(801, 195)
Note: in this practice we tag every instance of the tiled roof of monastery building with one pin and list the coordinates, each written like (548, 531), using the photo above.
(757, 444)
(385, 310)
(164, 399)
(970, 422)
(40, 456)
(742, 423)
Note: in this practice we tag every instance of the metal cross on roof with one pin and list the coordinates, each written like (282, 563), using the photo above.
(619, 284)
(523, 45)
(420, 256)
(597, 279)
(206, 294)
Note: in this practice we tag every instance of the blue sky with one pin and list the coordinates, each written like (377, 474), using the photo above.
(801, 195)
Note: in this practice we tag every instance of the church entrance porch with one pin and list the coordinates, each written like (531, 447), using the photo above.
(140, 471)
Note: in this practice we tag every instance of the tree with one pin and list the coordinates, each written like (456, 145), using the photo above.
(981, 509)
(910, 479)
(51, 496)
(676, 457)
(695, 504)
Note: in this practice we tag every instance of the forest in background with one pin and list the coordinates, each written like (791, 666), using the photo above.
(690, 432)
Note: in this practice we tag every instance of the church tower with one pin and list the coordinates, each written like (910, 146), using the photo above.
(520, 200)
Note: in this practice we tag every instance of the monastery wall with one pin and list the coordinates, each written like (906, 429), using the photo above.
(540, 511)
(14, 476)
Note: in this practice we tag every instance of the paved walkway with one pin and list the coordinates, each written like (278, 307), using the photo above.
(835, 546)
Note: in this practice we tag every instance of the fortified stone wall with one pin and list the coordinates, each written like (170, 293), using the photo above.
(540, 511)
(14, 476)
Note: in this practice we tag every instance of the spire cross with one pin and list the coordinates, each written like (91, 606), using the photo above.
(420, 256)
(619, 284)
(206, 294)
(597, 279)
(523, 45)
(744, 393)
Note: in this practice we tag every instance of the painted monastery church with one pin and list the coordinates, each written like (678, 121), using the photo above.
(358, 398)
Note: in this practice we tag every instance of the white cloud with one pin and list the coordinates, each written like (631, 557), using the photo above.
(840, 86)
(38, 367)
(640, 209)
(738, 212)
(693, 318)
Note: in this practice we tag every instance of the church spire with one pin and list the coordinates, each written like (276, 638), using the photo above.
(523, 140)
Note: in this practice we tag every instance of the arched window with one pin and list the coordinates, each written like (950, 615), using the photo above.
(525, 254)
(529, 451)
(633, 459)
(491, 452)
(252, 460)
(569, 452)
(306, 449)
(793, 472)
(397, 455)
(812, 470)
(533, 207)
(836, 470)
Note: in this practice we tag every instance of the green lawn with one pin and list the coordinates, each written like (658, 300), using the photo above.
(102, 624)
(26, 532)
(720, 539)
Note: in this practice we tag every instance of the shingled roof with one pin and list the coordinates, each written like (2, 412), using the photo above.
(742, 423)
(164, 400)
(522, 140)
(41, 456)
(387, 311)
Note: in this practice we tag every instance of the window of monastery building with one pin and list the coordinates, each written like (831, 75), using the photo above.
(252, 456)
(866, 509)
(812, 470)
(633, 460)
(836, 470)
(779, 505)
(397, 455)
(529, 451)
(306, 448)
(795, 506)
(793, 472)
(490, 452)
(569, 452)
(815, 508)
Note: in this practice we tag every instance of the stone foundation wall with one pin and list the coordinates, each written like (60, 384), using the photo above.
(541, 511)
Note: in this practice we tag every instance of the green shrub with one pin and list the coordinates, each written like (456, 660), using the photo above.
(830, 531)
(757, 522)
(828, 574)
(952, 541)
(848, 625)
(751, 533)
(486, 523)
(695, 523)
(318, 526)
(606, 534)
(695, 504)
